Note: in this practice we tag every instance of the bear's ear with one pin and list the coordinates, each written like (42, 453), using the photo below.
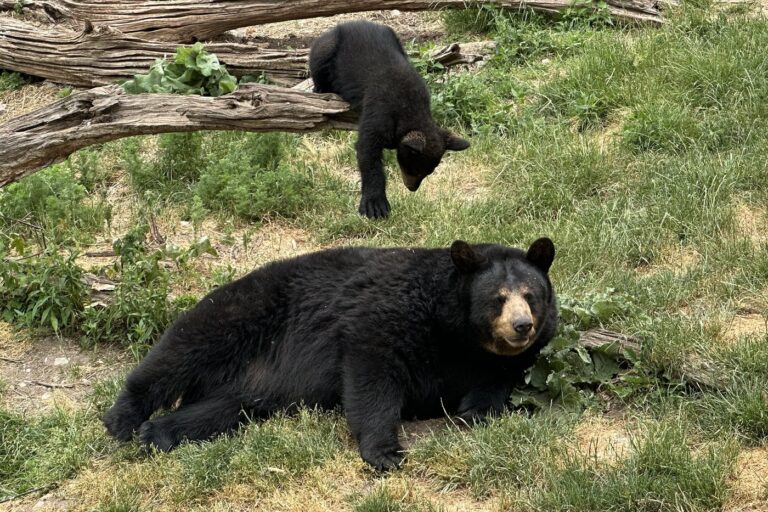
(414, 140)
(465, 258)
(454, 142)
(541, 253)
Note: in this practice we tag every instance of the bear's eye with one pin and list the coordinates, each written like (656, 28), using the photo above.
(501, 299)
(528, 296)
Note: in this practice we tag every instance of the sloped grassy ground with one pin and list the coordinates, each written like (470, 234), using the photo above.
(640, 151)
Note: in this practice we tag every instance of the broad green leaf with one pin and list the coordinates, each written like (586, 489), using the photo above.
(605, 367)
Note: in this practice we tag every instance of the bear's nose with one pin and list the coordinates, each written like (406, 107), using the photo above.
(522, 325)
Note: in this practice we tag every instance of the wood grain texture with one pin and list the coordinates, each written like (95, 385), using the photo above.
(103, 55)
(48, 135)
(201, 20)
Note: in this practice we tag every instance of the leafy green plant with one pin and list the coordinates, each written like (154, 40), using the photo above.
(192, 71)
(46, 291)
(139, 310)
(566, 372)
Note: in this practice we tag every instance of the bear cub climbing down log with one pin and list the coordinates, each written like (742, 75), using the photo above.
(366, 65)
(388, 334)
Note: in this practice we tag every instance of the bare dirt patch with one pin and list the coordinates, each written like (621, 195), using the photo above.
(604, 439)
(677, 258)
(410, 26)
(40, 374)
(749, 483)
(741, 326)
(752, 222)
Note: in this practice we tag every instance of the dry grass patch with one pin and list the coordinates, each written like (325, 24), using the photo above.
(26, 99)
(604, 439)
(677, 258)
(421, 489)
(300, 33)
(751, 222)
(749, 482)
(741, 326)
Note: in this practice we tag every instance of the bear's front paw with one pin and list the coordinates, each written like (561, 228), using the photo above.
(473, 416)
(383, 459)
(122, 421)
(374, 207)
(152, 433)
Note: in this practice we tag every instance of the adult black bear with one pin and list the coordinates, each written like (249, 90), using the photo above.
(365, 64)
(386, 333)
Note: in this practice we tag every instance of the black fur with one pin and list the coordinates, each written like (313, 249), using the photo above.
(365, 64)
(387, 333)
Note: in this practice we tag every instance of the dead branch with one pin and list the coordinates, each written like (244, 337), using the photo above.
(48, 135)
(201, 20)
(52, 385)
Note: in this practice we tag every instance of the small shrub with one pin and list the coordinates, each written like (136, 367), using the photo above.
(52, 204)
(250, 176)
(12, 80)
(139, 311)
(47, 291)
(172, 170)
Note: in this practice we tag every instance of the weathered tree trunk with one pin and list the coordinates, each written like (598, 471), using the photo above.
(201, 20)
(46, 136)
(103, 55)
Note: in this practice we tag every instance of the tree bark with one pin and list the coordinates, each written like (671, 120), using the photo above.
(48, 135)
(104, 56)
(201, 20)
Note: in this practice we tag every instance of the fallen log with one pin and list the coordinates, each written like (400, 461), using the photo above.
(94, 116)
(202, 20)
(104, 55)
(698, 374)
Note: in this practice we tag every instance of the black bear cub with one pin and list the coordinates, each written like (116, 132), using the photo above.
(366, 65)
(388, 334)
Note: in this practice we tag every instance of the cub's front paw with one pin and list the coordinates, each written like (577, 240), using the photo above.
(383, 459)
(374, 207)
(152, 433)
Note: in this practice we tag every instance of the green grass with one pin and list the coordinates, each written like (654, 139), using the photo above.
(660, 473)
(640, 151)
(43, 451)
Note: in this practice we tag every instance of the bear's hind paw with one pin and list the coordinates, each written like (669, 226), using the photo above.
(152, 434)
